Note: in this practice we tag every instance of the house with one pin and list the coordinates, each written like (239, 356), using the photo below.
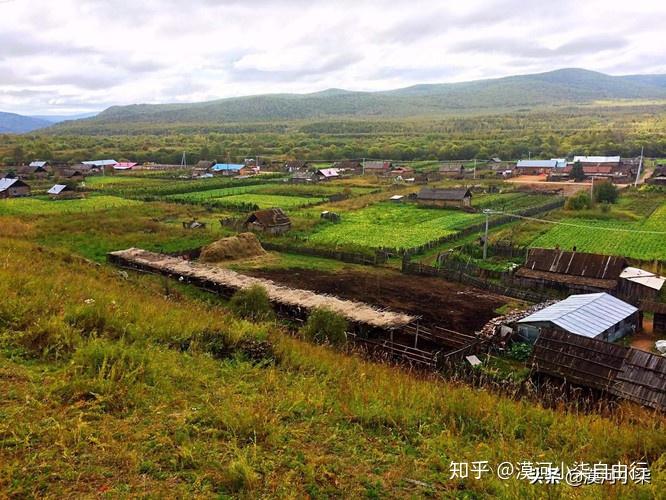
(124, 165)
(305, 177)
(402, 171)
(73, 174)
(28, 171)
(537, 167)
(593, 315)
(13, 188)
(621, 371)
(248, 170)
(452, 171)
(460, 198)
(597, 161)
(327, 174)
(658, 177)
(227, 168)
(271, 221)
(40, 164)
(397, 198)
(61, 191)
(296, 165)
(99, 164)
(571, 271)
(426, 177)
(376, 167)
(636, 285)
(354, 166)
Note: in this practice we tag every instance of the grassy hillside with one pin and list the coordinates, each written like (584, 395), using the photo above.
(116, 384)
(527, 91)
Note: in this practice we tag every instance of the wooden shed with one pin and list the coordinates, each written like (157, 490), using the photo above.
(570, 271)
(621, 371)
(272, 221)
(458, 198)
(13, 188)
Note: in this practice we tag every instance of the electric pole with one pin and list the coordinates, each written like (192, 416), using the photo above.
(640, 165)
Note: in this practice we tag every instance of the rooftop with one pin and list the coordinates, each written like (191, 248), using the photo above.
(588, 314)
(537, 163)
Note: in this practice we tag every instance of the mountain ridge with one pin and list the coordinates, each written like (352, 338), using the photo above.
(568, 86)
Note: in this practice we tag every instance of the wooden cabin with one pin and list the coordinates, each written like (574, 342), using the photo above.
(13, 188)
(456, 198)
(271, 221)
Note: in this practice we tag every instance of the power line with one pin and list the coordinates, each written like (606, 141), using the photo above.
(580, 226)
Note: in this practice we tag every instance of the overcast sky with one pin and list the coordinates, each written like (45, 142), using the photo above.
(68, 56)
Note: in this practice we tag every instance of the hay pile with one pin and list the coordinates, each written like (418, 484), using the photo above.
(243, 246)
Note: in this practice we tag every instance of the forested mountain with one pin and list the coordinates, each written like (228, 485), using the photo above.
(555, 88)
(16, 124)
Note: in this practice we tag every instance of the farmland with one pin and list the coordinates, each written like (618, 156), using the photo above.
(410, 226)
(45, 206)
(268, 200)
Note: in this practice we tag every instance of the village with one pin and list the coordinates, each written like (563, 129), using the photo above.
(431, 236)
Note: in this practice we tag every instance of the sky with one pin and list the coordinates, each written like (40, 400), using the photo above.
(75, 56)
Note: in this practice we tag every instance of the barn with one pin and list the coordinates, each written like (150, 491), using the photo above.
(13, 188)
(452, 171)
(458, 198)
(615, 369)
(536, 167)
(326, 174)
(61, 191)
(377, 167)
(271, 221)
(570, 271)
(594, 315)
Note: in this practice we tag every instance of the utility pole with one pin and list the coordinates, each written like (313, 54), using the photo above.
(474, 168)
(363, 166)
(592, 190)
(640, 165)
(485, 238)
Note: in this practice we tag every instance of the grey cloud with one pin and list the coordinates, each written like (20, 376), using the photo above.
(517, 47)
(329, 65)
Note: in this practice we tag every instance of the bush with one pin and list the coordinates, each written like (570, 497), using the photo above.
(326, 326)
(579, 201)
(606, 192)
(520, 351)
(252, 303)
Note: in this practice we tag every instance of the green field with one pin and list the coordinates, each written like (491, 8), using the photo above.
(388, 225)
(214, 194)
(613, 237)
(268, 200)
(45, 206)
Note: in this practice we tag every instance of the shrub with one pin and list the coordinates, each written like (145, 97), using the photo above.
(579, 201)
(606, 192)
(326, 326)
(49, 338)
(520, 351)
(577, 172)
(252, 303)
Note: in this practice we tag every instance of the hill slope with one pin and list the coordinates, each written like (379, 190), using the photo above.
(11, 123)
(561, 87)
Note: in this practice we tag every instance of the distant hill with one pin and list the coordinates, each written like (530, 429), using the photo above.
(561, 87)
(11, 123)
(62, 118)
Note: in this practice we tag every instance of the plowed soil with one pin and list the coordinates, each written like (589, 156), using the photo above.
(450, 305)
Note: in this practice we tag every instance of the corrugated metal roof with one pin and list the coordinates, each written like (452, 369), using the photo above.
(588, 314)
(124, 165)
(329, 172)
(642, 277)
(537, 163)
(219, 167)
(597, 159)
(37, 163)
(443, 194)
(7, 183)
(100, 163)
(57, 189)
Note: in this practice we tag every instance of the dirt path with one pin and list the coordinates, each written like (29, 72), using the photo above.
(447, 304)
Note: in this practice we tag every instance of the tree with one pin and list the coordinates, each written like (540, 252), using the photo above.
(577, 171)
(606, 192)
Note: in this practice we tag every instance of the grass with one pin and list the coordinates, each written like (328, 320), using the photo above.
(387, 225)
(138, 406)
(44, 206)
(269, 200)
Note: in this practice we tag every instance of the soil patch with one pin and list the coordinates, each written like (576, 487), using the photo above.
(449, 305)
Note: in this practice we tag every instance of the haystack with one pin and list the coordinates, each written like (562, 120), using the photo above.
(243, 246)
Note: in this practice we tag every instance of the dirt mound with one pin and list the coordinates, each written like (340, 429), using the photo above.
(243, 246)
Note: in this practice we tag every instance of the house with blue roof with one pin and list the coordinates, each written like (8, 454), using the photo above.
(227, 168)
